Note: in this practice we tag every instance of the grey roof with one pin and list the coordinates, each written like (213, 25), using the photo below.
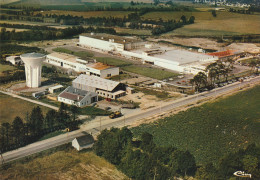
(75, 94)
(85, 140)
(96, 82)
(33, 55)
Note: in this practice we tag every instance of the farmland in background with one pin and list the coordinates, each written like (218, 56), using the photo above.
(226, 23)
(212, 129)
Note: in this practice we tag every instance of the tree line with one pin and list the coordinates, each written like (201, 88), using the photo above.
(218, 72)
(132, 7)
(35, 125)
(143, 159)
(39, 35)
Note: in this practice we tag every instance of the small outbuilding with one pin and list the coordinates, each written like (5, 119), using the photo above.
(55, 89)
(83, 142)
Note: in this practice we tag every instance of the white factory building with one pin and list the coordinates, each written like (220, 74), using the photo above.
(107, 42)
(90, 67)
(103, 87)
(166, 57)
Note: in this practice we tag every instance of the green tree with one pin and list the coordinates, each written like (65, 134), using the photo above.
(18, 130)
(147, 143)
(199, 79)
(6, 128)
(74, 110)
(36, 121)
(183, 163)
(50, 118)
(250, 163)
(214, 13)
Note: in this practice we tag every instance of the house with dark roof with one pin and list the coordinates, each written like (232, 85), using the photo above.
(77, 97)
(83, 142)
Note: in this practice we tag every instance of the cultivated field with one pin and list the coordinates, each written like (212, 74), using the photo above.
(65, 163)
(11, 107)
(225, 23)
(213, 129)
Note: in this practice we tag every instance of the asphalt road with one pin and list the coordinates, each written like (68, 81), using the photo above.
(95, 126)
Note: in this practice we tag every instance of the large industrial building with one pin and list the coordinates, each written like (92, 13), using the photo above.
(90, 67)
(166, 57)
(107, 42)
(103, 87)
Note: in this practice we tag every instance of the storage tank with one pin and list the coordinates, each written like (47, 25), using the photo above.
(33, 67)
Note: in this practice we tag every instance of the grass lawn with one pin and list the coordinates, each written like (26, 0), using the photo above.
(113, 61)
(62, 162)
(158, 94)
(213, 129)
(150, 72)
(4, 67)
(226, 23)
(93, 111)
(81, 54)
(11, 107)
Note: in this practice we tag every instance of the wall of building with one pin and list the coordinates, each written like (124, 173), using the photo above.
(97, 43)
(65, 64)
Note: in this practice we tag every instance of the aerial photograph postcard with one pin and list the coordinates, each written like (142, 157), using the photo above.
(129, 89)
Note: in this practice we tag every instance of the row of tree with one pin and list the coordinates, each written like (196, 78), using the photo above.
(9, 9)
(142, 159)
(214, 73)
(35, 125)
(39, 35)
(219, 72)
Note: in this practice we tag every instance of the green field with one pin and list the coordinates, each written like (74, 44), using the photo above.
(113, 61)
(62, 162)
(11, 107)
(212, 129)
(4, 67)
(150, 72)
(226, 23)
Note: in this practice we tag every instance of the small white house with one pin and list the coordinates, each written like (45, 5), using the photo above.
(83, 142)
(77, 97)
(55, 89)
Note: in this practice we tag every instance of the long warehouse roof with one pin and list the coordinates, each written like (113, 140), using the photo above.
(96, 82)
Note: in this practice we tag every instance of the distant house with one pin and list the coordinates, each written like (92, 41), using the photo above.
(77, 97)
(15, 60)
(83, 142)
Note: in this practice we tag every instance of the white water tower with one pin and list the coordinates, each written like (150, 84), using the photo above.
(33, 68)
